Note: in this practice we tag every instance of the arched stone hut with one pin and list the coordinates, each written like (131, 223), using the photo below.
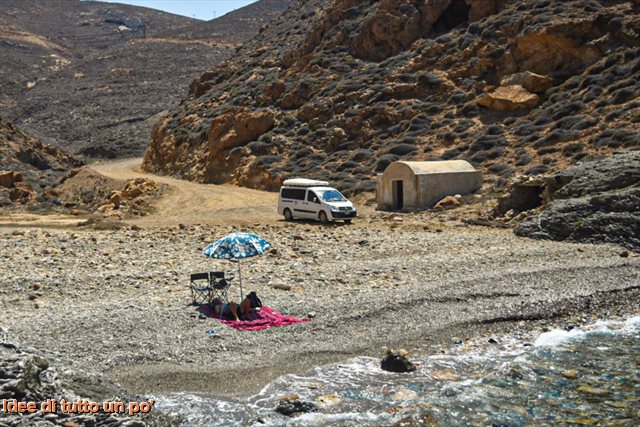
(418, 185)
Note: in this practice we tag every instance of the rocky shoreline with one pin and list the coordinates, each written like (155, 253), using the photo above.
(42, 380)
(119, 300)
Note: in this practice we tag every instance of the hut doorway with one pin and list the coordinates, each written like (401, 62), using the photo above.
(398, 195)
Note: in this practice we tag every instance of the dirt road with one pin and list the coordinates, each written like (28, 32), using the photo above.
(193, 203)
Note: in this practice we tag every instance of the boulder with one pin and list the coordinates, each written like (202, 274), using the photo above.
(115, 199)
(532, 82)
(297, 97)
(6, 179)
(509, 98)
(556, 48)
(606, 218)
(132, 190)
(22, 193)
(609, 174)
(396, 361)
(479, 9)
(599, 203)
(449, 202)
(294, 407)
(274, 89)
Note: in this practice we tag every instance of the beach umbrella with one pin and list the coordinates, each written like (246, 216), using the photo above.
(237, 246)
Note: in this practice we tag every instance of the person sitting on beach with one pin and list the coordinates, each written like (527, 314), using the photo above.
(249, 306)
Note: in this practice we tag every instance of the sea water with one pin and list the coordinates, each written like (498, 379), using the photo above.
(587, 376)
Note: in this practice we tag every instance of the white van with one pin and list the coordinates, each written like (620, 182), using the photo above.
(310, 199)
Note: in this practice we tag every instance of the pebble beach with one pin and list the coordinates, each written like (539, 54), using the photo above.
(119, 300)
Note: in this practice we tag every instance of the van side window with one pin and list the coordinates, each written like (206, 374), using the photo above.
(312, 197)
(293, 193)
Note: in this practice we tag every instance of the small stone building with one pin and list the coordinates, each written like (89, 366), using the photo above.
(419, 185)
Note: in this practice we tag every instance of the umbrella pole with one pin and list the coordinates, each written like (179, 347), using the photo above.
(240, 277)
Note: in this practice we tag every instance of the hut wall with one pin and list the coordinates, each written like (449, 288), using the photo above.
(433, 187)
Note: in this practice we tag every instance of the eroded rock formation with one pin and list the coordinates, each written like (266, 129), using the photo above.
(597, 202)
(216, 158)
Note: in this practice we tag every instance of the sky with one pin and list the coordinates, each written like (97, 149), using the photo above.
(199, 9)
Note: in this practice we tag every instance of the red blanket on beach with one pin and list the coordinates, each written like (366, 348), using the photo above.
(267, 317)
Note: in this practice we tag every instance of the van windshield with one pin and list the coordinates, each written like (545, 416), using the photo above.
(333, 196)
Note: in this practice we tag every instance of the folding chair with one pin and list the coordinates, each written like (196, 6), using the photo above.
(200, 288)
(219, 285)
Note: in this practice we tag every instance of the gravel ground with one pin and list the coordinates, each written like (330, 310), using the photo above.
(119, 300)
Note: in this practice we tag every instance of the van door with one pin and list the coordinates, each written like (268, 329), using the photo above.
(293, 199)
(313, 204)
(303, 209)
(301, 206)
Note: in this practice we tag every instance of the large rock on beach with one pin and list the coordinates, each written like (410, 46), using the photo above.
(295, 407)
(396, 361)
(596, 202)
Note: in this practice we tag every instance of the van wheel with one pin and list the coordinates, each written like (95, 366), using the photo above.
(347, 221)
(288, 215)
(323, 217)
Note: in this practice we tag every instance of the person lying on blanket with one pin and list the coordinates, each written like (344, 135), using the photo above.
(227, 310)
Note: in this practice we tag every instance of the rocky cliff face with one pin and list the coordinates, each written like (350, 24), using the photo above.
(339, 89)
(595, 202)
(28, 168)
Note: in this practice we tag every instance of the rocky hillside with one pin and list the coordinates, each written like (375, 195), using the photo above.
(39, 38)
(29, 168)
(338, 89)
(92, 77)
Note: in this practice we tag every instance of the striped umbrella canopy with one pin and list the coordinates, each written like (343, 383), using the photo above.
(237, 246)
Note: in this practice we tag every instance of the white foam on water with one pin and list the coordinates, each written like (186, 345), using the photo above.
(319, 419)
(558, 337)
(632, 325)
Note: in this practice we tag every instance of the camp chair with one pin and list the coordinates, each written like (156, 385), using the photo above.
(200, 288)
(219, 285)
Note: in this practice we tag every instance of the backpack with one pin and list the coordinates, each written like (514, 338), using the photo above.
(255, 301)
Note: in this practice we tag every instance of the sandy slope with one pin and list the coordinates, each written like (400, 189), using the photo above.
(192, 203)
